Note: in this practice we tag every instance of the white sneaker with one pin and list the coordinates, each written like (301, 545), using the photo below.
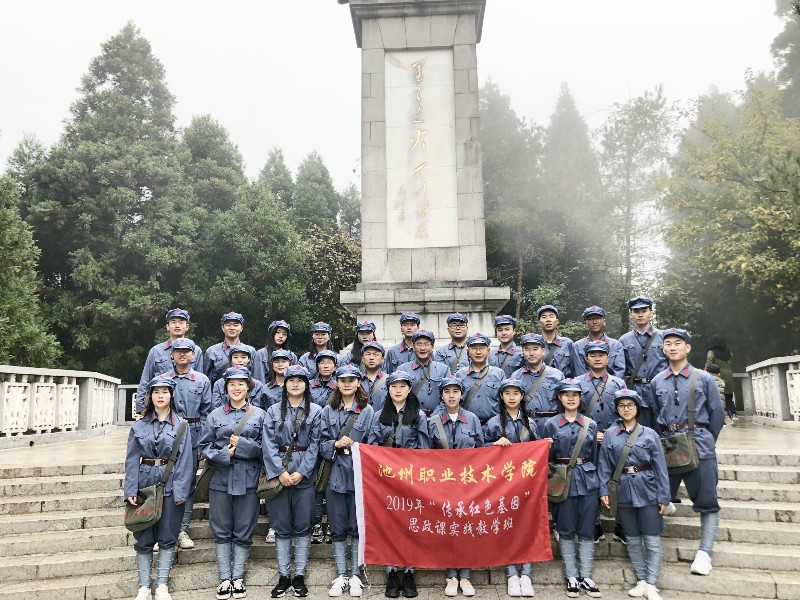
(670, 510)
(526, 586)
(184, 542)
(162, 593)
(155, 547)
(224, 590)
(144, 593)
(338, 586)
(734, 420)
(640, 589)
(652, 592)
(271, 536)
(466, 587)
(702, 563)
(514, 586)
(451, 589)
(355, 586)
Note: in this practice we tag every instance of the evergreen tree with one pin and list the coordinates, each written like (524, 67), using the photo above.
(634, 162)
(314, 199)
(253, 263)
(28, 153)
(24, 340)
(216, 168)
(276, 177)
(786, 51)
(112, 211)
(350, 211)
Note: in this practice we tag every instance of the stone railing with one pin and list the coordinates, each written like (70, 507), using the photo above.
(44, 400)
(775, 385)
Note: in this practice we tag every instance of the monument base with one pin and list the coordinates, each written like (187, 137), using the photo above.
(383, 306)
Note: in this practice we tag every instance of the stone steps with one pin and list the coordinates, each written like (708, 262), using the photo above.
(62, 470)
(61, 536)
(782, 512)
(760, 473)
(748, 532)
(79, 501)
(62, 484)
(611, 575)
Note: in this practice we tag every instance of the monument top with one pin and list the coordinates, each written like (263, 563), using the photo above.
(373, 9)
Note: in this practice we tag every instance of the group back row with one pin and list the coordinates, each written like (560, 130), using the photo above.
(603, 365)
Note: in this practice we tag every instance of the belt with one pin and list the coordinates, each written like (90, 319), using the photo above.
(580, 461)
(296, 448)
(551, 413)
(345, 451)
(642, 379)
(680, 426)
(154, 462)
(636, 469)
(192, 419)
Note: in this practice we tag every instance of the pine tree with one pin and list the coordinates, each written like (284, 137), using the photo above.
(112, 211)
(24, 340)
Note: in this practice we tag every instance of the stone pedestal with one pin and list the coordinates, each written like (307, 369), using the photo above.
(422, 192)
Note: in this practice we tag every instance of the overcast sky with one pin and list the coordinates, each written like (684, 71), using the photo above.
(287, 73)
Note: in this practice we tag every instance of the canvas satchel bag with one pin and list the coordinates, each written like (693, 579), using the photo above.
(560, 476)
(327, 464)
(680, 450)
(269, 489)
(150, 500)
(204, 479)
(611, 511)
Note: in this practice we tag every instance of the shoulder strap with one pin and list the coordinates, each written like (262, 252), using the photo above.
(425, 377)
(692, 393)
(505, 360)
(378, 385)
(240, 426)
(525, 434)
(550, 352)
(475, 387)
(457, 359)
(642, 356)
(297, 422)
(437, 419)
(595, 397)
(174, 454)
(576, 451)
(348, 425)
(390, 440)
(535, 386)
(625, 451)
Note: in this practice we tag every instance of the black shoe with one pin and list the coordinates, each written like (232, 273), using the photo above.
(573, 588)
(619, 534)
(393, 585)
(676, 500)
(328, 539)
(409, 585)
(589, 586)
(239, 591)
(316, 534)
(599, 534)
(284, 583)
(299, 586)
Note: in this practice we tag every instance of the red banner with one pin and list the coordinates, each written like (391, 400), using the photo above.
(441, 509)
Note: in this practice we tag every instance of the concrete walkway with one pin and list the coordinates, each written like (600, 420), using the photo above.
(752, 439)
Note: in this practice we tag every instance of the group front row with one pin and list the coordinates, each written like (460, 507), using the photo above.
(291, 438)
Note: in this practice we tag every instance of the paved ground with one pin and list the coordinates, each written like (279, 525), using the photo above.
(751, 438)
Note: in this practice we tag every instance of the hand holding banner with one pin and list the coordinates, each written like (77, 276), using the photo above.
(437, 509)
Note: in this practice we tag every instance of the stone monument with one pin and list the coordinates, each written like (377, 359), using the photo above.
(423, 244)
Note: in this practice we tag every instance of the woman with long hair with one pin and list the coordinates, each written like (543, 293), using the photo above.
(150, 443)
(400, 424)
(292, 425)
(345, 421)
(279, 337)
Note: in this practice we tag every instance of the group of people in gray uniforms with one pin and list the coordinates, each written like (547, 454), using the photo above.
(607, 406)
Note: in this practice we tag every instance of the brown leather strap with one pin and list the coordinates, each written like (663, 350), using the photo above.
(296, 448)
(192, 419)
(636, 469)
(154, 462)
(578, 461)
